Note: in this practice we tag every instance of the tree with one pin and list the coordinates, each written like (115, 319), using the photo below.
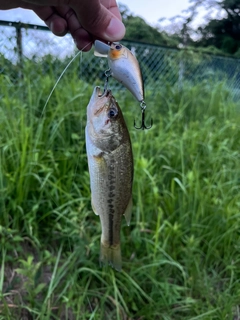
(224, 31)
(221, 28)
(138, 30)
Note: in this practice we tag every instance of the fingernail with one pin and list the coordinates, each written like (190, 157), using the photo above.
(115, 30)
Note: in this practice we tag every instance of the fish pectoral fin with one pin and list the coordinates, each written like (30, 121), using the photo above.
(128, 212)
(93, 207)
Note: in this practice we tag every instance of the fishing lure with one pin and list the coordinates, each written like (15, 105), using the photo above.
(124, 67)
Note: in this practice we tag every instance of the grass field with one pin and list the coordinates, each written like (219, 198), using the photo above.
(181, 253)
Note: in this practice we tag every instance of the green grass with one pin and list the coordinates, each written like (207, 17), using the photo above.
(181, 253)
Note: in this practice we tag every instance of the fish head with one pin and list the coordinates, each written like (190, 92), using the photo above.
(104, 118)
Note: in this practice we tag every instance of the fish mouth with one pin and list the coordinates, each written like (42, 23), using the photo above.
(98, 94)
(99, 98)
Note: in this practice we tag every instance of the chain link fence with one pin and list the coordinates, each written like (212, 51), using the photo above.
(20, 43)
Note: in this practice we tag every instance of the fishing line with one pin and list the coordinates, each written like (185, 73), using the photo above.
(60, 77)
(78, 160)
(54, 87)
(39, 129)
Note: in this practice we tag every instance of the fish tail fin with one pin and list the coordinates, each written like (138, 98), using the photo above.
(111, 255)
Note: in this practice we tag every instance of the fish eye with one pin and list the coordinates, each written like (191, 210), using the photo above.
(112, 113)
(118, 47)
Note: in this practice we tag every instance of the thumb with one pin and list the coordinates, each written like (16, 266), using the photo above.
(101, 19)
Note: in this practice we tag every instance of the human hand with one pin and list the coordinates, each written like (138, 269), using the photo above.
(86, 20)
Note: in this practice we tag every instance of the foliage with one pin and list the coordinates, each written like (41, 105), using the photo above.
(181, 252)
(138, 30)
(224, 32)
(220, 28)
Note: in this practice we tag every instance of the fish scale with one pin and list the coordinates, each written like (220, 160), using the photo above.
(110, 164)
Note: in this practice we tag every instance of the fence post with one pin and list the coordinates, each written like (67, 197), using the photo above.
(180, 73)
(19, 49)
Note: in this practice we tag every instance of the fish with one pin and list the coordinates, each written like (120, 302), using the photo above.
(110, 163)
(123, 65)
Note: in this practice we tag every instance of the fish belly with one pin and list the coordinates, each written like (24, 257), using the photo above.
(111, 190)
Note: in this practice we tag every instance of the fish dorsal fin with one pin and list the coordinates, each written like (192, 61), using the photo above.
(101, 49)
(128, 212)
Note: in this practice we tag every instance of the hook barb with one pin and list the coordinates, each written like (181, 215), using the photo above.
(143, 125)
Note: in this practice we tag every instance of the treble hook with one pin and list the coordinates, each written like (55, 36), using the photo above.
(143, 126)
(107, 74)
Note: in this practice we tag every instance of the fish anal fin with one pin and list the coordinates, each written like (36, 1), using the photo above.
(111, 255)
(128, 212)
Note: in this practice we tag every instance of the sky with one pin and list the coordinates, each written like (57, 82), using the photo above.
(153, 10)
(150, 10)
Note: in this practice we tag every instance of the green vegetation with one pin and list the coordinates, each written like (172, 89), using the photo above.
(181, 253)
(138, 30)
(217, 34)
(221, 30)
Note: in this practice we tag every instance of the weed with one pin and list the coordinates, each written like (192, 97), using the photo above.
(181, 253)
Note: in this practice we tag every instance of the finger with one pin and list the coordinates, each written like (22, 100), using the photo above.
(112, 7)
(60, 20)
(53, 20)
(81, 37)
(48, 2)
(55, 23)
(99, 20)
(5, 5)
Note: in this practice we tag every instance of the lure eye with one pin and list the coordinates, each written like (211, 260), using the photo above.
(118, 47)
(112, 113)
